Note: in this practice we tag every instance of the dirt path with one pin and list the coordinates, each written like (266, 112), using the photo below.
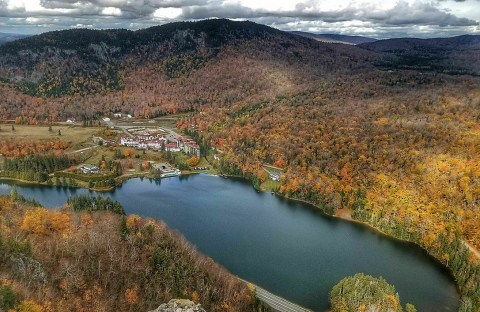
(83, 149)
(272, 167)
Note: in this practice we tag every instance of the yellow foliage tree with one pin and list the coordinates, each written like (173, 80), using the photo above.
(193, 161)
(29, 306)
(133, 223)
(41, 221)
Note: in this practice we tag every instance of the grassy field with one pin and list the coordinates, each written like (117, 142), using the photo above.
(76, 136)
(270, 186)
(108, 153)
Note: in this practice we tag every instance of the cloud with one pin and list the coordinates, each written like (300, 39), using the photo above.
(218, 9)
(372, 17)
(423, 14)
(402, 13)
(145, 6)
(58, 4)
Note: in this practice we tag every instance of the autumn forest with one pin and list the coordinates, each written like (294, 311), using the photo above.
(388, 137)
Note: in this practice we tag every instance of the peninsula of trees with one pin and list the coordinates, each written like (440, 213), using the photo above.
(83, 259)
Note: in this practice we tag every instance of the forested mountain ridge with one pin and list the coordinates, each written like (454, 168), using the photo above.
(181, 65)
(102, 46)
(456, 55)
(52, 63)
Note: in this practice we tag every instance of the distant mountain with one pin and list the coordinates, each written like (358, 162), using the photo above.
(5, 37)
(334, 38)
(455, 55)
(87, 62)
(178, 66)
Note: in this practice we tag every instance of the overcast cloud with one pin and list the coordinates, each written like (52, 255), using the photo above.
(380, 19)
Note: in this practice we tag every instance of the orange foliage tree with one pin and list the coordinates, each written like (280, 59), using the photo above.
(41, 221)
(193, 161)
(129, 153)
(131, 296)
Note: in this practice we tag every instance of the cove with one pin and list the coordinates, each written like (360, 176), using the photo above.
(287, 247)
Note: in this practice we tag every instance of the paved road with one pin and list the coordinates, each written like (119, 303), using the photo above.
(272, 167)
(275, 302)
(111, 124)
(171, 135)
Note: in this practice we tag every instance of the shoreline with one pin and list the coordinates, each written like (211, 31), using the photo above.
(344, 215)
(347, 217)
(26, 182)
(119, 180)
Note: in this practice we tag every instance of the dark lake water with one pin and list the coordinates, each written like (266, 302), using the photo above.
(287, 247)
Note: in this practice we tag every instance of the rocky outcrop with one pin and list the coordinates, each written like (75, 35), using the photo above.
(179, 305)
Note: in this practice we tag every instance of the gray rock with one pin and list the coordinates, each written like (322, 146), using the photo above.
(179, 305)
(29, 269)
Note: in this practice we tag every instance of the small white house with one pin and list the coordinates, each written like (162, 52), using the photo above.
(89, 169)
(274, 176)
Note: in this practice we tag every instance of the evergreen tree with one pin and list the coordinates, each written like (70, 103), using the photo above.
(13, 193)
(92, 203)
(364, 293)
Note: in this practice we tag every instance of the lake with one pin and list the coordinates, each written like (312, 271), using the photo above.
(287, 247)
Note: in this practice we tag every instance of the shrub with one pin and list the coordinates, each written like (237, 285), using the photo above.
(8, 298)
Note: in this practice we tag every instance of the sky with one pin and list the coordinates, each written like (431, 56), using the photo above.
(377, 19)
